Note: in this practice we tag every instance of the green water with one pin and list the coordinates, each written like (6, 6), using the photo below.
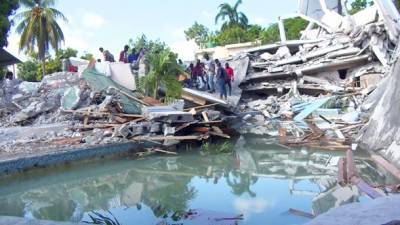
(260, 180)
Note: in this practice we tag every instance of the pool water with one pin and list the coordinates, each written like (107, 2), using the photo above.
(260, 180)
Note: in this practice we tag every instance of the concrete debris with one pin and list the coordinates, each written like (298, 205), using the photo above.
(90, 109)
(326, 84)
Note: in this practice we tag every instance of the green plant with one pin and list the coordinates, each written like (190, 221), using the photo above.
(163, 72)
(87, 56)
(39, 28)
(27, 71)
(7, 8)
(359, 5)
(234, 18)
(208, 148)
(199, 33)
(98, 218)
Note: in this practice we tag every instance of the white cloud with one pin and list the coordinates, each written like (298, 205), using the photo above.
(93, 20)
(184, 49)
(252, 206)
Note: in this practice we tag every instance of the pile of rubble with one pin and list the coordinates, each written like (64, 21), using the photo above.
(89, 108)
(319, 85)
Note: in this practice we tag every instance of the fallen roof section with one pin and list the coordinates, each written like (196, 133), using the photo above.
(7, 59)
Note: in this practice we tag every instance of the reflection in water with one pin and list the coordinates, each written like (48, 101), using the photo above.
(261, 181)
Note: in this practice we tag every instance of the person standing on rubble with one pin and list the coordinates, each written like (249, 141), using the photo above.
(198, 75)
(229, 78)
(190, 70)
(133, 57)
(221, 80)
(108, 57)
(123, 55)
(8, 86)
(210, 70)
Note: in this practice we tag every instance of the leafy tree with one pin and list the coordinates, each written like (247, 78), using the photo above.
(7, 8)
(234, 18)
(293, 27)
(359, 5)
(271, 34)
(232, 35)
(39, 28)
(140, 43)
(2, 73)
(67, 53)
(254, 32)
(32, 70)
(163, 72)
(199, 33)
(28, 71)
(87, 56)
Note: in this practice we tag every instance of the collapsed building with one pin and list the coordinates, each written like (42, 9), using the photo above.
(322, 89)
(330, 80)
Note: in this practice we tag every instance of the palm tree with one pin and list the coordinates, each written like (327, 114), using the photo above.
(39, 29)
(234, 17)
(163, 72)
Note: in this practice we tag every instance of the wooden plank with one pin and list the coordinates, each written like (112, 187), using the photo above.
(210, 122)
(200, 129)
(220, 134)
(201, 107)
(130, 96)
(301, 213)
(351, 170)
(191, 98)
(120, 119)
(386, 165)
(342, 172)
(162, 138)
(163, 151)
(205, 116)
(365, 188)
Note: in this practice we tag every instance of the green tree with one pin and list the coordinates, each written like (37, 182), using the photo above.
(271, 34)
(7, 8)
(66, 53)
(199, 33)
(294, 26)
(230, 15)
(87, 56)
(163, 72)
(140, 43)
(359, 5)
(27, 71)
(232, 35)
(39, 28)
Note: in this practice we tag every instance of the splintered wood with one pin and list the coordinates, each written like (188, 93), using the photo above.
(314, 138)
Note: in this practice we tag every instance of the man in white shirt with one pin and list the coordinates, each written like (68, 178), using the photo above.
(210, 70)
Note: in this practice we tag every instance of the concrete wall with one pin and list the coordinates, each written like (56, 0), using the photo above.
(382, 133)
(224, 52)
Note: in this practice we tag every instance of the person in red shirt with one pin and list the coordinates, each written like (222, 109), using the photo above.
(123, 56)
(230, 78)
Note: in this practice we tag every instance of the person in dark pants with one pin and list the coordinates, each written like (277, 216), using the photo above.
(230, 78)
(221, 80)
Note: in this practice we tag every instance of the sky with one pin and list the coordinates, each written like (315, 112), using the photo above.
(110, 24)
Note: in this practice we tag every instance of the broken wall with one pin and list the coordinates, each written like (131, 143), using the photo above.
(382, 133)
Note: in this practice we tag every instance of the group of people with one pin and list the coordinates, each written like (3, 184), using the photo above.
(124, 55)
(211, 73)
(205, 76)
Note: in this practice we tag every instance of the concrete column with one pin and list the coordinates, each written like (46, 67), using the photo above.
(282, 30)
